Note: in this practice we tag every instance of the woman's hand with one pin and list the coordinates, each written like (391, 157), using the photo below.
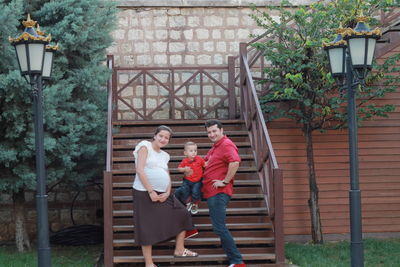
(154, 196)
(163, 197)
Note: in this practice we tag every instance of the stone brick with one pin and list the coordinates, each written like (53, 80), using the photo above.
(143, 60)
(175, 35)
(173, 11)
(175, 60)
(129, 60)
(135, 34)
(193, 47)
(229, 34)
(119, 34)
(213, 21)
(151, 103)
(160, 46)
(160, 59)
(193, 21)
(243, 34)
(189, 60)
(188, 34)
(208, 90)
(149, 35)
(208, 46)
(146, 22)
(232, 21)
(202, 33)
(204, 59)
(6, 216)
(176, 21)
(216, 34)
(137, 103)
(152, 90)
(134, 21)
(161, 34)
(218, 59)
(141, 47)
(123, 78)
(160, 21)
(176, 47)
(221, 47)
(126, 48)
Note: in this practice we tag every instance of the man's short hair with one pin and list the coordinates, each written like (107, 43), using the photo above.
(213, 122)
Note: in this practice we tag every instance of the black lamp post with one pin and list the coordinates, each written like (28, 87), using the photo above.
(35, 59)
(350, 58)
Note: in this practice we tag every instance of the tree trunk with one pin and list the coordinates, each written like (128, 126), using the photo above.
(316, 228)
(21, 234)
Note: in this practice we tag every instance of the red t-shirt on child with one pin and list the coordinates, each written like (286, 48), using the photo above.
(197, 165)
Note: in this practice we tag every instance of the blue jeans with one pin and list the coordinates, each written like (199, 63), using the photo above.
(188, 189)
(217, 206)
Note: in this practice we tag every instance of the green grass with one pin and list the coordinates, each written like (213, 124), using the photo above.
(61, 256)
(377, 253)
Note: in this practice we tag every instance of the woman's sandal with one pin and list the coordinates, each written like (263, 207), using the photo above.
(187, 254)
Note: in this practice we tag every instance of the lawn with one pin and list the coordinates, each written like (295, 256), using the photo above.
(377, 253)
(61, 256)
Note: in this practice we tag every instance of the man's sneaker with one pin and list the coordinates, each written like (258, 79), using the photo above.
(191, 233)
(189, 206)
(194, 209)
(238, 265)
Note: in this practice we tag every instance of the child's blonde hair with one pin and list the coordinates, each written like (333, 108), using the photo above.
(189, 143)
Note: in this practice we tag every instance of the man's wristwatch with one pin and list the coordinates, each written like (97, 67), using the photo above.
(225, 183)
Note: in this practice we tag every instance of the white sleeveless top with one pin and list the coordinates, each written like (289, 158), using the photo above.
(156, 168)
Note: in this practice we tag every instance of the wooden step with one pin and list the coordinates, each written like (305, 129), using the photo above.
(175, 170)
(204, 211)
(173, 158)
(180, 145)
(205, 258)
(176, 135)
(206, 226)
(178, 183)
(204, 241)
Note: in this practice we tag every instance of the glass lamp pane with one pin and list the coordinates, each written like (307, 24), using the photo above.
(336, 59)
(48, 60)
(357, 50)
(371, 50)
(36, 51)
(21, 54)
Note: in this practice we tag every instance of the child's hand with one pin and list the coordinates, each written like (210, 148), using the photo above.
(188, 171)
(205, 163)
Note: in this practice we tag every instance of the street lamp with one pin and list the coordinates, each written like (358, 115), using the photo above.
(35, 59)
(350, 58)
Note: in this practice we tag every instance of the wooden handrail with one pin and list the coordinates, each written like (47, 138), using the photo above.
(110, 65)
(267, 166)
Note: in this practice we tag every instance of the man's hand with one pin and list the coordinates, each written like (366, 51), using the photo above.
(218, 183)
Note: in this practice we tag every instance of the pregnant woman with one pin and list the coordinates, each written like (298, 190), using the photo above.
(158, 215)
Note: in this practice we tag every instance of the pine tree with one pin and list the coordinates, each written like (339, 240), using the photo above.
(74, 104)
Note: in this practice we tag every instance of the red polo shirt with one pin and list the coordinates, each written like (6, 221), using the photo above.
(197, 165)
(218, 158)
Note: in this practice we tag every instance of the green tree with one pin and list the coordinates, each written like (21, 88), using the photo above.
(300, 85)
(74, 99)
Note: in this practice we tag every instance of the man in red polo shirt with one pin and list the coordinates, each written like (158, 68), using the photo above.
(222, 162)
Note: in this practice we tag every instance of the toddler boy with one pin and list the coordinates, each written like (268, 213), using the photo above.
(192, 166)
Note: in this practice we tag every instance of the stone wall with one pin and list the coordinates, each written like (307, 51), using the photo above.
(176, 36)
(87, 210)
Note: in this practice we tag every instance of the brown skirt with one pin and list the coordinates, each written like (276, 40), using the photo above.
(156, 222)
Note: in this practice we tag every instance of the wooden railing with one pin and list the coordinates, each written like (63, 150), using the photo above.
(170, 93)
(267, 167)
(107, 193)
(390, 17)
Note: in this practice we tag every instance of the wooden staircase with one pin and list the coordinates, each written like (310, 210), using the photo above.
(247, 215)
